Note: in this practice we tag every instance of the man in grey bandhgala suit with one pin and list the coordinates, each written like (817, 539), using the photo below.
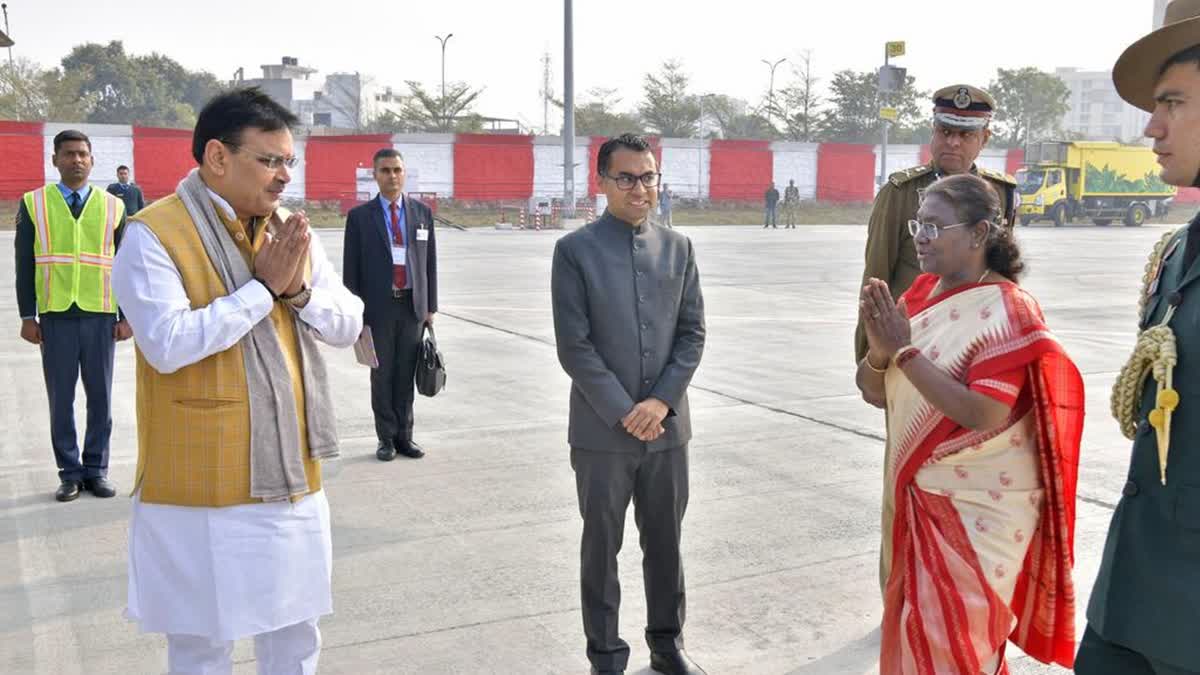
(629, 326)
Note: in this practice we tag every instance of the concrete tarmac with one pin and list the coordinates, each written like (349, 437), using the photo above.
(466, 561)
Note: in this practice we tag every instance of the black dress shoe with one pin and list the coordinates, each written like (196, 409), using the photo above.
(101, 487)
(410, 450)
(68, 491)
(385, 452)
(674, 663)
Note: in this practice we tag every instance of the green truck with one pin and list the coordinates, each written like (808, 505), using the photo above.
(1065, 180)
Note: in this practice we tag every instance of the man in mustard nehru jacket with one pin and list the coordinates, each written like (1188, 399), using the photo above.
(228, 295)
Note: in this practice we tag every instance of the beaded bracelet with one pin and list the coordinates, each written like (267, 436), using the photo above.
(905, 355)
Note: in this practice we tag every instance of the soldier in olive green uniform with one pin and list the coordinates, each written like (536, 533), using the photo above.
(1144, 612)
(961, 115)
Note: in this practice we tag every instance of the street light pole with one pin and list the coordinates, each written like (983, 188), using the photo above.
(444, 40)
(771, 86)
(568, 110)
(700, 152)
(4, 7)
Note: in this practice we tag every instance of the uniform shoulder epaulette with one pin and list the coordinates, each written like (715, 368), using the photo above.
(998, 176)
(901, 177)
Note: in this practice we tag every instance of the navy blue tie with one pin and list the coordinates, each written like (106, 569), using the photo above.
(76, 204)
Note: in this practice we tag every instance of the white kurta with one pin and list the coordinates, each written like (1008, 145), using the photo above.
(232, 572)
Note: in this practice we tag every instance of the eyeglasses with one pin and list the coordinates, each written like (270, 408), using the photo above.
(626, 181)
(272, 162)
(929, 230)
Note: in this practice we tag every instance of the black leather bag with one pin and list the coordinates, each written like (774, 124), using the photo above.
(431, 366)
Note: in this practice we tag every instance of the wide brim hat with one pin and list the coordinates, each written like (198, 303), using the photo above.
(1136, 72)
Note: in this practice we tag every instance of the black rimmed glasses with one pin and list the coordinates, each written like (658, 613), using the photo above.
(929, 230)
(272, 162)
(626, 181)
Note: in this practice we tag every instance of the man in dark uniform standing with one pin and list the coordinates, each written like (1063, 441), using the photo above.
(961, 115)
(629, 326)
(127, 191)
(791, 203)
(771, 218)
(1145, 606)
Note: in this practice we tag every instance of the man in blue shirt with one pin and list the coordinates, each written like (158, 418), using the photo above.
(74, 342)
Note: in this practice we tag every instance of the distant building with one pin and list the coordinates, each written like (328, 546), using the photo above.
(337, 102)
(342, 102)
(1096, 112)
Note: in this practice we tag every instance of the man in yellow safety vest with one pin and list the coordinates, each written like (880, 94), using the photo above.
(67, 234)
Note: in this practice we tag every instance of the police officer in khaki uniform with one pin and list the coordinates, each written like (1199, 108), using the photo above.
(961, 115)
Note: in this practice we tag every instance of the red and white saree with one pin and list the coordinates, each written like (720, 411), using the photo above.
(981, 543)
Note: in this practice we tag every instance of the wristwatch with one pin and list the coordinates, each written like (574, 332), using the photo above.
(300, 299)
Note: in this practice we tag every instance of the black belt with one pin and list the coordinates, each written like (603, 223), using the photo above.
(401, 292)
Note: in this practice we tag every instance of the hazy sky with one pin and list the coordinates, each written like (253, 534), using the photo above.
(498, 44)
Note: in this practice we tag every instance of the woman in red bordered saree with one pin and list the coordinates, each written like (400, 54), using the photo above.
(984, 418)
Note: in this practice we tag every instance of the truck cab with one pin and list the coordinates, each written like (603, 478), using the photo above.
(1043, 194)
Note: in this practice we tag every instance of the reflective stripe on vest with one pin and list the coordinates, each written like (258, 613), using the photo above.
(74, 256)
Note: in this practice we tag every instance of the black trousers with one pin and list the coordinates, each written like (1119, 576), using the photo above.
(657, 482)
(72, 345)
(1098, 656)
(397, 335)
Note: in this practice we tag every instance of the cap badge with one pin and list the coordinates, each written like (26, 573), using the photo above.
(962, 98)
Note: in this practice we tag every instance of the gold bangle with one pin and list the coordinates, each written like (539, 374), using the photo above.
(867, 360)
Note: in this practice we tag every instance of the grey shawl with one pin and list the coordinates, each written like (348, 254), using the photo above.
(276, 465)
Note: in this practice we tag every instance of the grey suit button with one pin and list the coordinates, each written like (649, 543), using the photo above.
(641, 273)
(1131, 489)
(645, 381)
(1175, 299)
(1143, 427)
(646, 353)
(641, 299)
(645, 326)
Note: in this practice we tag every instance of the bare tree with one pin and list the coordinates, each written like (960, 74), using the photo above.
(27, 92)
(800, 107)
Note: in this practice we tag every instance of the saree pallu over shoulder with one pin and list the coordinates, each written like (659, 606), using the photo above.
(941, 615)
